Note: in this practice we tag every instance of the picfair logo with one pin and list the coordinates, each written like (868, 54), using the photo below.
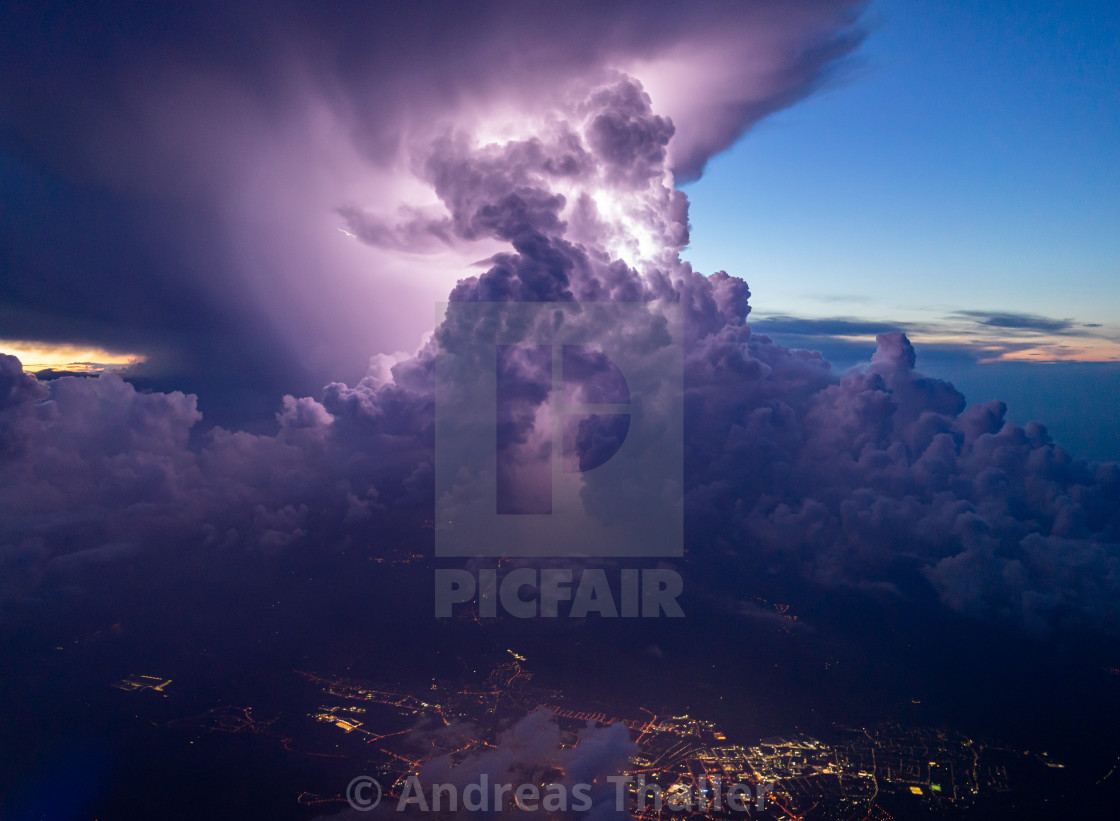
(584, 435)
(558, 430)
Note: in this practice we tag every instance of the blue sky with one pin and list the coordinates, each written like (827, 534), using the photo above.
(966, 162)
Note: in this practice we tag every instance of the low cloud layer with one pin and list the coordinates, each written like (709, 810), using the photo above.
(1028, 322)
(963, 336)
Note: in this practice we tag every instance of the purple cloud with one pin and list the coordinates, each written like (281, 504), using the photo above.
(190, 171)
(854, 481)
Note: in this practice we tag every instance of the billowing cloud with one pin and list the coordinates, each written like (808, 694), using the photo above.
(177, 179)
(869, 480)
(878, 479)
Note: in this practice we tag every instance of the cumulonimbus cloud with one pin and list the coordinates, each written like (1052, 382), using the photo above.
(186, 168)
(855, 480)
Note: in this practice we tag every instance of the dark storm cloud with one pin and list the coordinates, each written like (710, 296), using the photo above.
(868, 481)
(877, 480)
(83, 265)
(156, 159)
(887, 471)
(629, 141)
(18, 393)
